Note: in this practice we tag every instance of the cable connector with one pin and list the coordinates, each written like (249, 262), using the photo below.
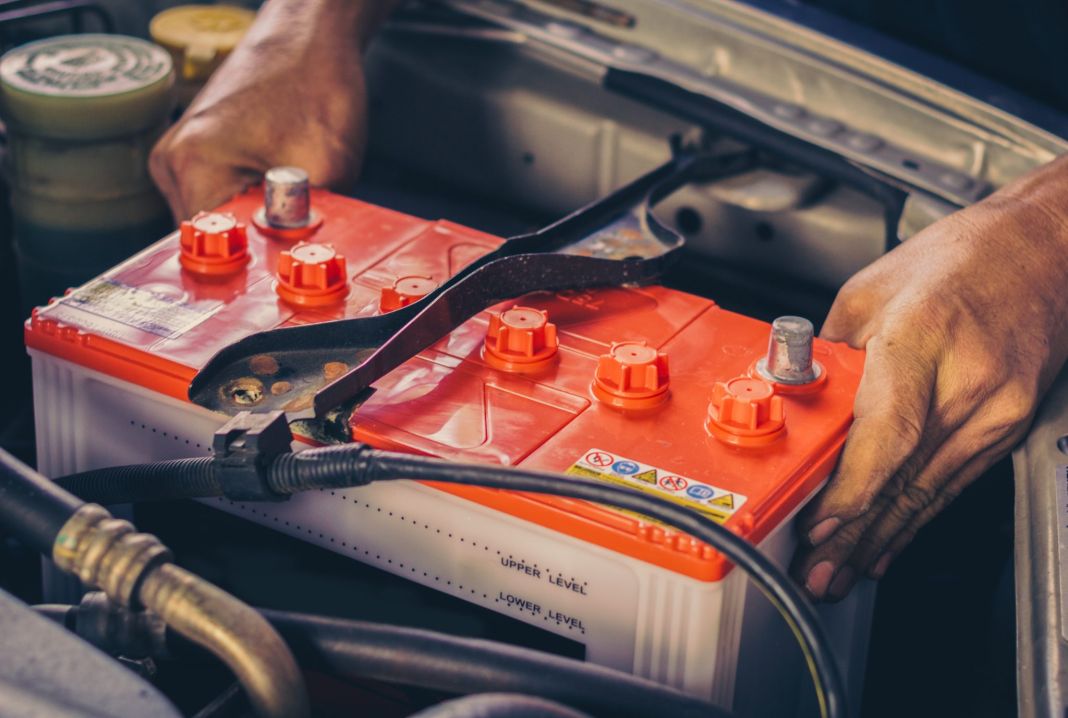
(244, 448)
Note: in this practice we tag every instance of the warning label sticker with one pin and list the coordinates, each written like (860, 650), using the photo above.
(716, 503)
(133, 307)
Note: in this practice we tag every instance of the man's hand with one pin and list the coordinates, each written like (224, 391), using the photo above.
(965, 326)
(292, 93)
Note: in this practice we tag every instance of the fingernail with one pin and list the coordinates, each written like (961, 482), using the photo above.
(881, 565)
(823, 531)
(819, 578)
(842, 584)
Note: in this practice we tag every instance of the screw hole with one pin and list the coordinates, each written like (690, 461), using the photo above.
(1062, 444)
(910, 164)
(688, 220)
(246, 391)
(764, 231)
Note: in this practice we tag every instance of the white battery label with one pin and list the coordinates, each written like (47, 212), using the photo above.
(715, 503)
(108, 300)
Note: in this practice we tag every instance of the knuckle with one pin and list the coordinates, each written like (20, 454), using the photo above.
(851, 300)
(1014, 406)
(914, 498)
(984, 375)
(906, 423)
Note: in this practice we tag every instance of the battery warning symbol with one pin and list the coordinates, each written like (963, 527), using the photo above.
(673, 483)
(726, 501)
(700, 492)
(600, 458)
(716, 503)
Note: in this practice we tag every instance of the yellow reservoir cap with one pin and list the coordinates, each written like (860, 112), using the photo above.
(199, 37)
(86, 87)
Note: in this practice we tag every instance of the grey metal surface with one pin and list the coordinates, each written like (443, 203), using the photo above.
(493, 120)
(736, 46)
(873, 150)
(1042, 560)
(56, 673)
(525, 121)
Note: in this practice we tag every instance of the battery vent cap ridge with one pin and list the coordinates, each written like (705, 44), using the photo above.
(312, 275)
(632, 375)
(746, 412)
(521, 339)
(406, 290)
(213, 244)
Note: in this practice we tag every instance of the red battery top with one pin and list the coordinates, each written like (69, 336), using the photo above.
(650, 388)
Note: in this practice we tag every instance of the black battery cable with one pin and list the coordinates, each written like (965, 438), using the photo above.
(252, 461)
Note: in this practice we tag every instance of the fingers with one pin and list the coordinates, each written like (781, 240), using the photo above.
(160, 169)
(919, 501)
(816, 569)
(961, 459)
(206, 187)
(857, 303)
(969, 473)
(890, 417)
(191, 183)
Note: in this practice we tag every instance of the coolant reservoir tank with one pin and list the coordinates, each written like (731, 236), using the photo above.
(82, 115)
(199, 38)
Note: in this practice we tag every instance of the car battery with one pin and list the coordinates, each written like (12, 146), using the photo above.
(645, 387)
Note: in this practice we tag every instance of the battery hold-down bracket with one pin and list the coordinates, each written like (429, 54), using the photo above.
(614, 241)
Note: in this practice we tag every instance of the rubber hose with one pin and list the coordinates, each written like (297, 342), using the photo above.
(499, 705)
(32, 508)
(159, 481)
(415, 657)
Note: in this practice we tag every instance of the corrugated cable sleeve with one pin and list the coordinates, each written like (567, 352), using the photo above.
(158, 481)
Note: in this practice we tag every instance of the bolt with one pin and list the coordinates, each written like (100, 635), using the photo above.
(633, 53)
(562, 28)
(788, 112)
(955, 181)
(789, 359)
(864, 142)
(286, 201)
(823, 126)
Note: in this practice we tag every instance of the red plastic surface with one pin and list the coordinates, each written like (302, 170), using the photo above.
(449, 401)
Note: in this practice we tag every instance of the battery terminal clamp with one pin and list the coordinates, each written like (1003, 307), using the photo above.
(242, 451)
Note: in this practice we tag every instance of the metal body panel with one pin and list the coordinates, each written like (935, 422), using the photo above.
(1042, 561)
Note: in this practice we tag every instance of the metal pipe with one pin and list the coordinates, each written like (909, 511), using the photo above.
(238, 635)
(134, 570)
